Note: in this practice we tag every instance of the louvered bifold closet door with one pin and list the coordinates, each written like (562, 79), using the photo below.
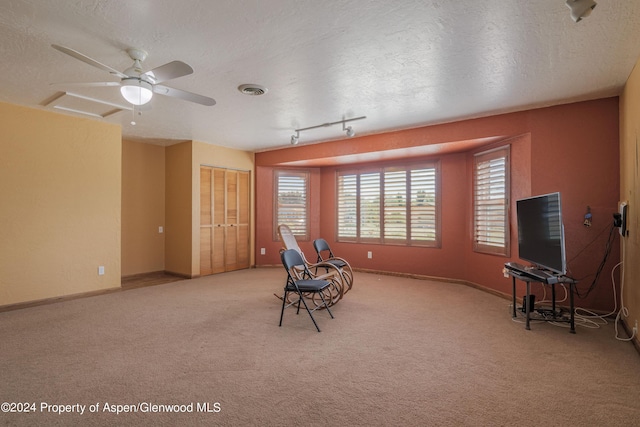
(219, 220)
(224, 220)
(237, 229)
(244, 212)
(231, 238)
(206, 222)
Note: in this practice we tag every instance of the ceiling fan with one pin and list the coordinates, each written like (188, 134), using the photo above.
(138, 86)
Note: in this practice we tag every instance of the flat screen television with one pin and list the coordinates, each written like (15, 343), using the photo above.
(541, 232)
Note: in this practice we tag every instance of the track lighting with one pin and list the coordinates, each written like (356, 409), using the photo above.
(580, 8)
(347, 129)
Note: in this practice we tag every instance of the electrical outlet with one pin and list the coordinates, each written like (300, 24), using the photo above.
(635, 329)
(160, 229)
(101, 270)
(369, 254)
(263, 251)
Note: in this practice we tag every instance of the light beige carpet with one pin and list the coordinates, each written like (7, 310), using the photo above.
(399, 352)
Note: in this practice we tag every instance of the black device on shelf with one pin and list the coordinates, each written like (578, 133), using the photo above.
(541, 232)
(535, 273)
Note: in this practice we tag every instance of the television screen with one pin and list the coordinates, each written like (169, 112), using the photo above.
(541, 232)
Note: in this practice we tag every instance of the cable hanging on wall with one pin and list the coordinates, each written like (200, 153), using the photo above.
(347, 129)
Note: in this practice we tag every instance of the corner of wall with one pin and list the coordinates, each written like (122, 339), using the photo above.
(178, 206)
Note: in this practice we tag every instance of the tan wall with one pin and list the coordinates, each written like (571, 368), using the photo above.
(161, 186)
(212, 155)
(178, 206)
(630, 192)
(143, 207)
(60, 180)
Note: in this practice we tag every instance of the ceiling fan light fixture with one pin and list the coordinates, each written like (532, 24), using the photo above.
(136, 91)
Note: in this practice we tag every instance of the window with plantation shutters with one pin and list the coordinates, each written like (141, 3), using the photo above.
(292, 207)
(392, 205)
(491, 201)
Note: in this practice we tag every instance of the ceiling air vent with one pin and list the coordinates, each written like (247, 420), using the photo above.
(253, 90)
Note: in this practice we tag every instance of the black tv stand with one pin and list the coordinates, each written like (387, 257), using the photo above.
(528, 275)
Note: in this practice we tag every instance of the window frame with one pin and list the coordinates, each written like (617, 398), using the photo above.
(306, 176)
(485, 156)
(382, 238)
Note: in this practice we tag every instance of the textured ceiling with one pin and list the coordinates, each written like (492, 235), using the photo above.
(401, 63)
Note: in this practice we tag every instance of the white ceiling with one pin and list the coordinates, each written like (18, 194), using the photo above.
(401, 63)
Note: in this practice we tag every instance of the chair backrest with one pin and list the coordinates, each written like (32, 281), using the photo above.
(292, 259)
(321, 245)
(288, 239)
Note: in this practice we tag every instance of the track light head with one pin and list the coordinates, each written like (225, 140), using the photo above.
(350, 131)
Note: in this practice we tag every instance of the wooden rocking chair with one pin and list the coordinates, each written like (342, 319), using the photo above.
(333, 274)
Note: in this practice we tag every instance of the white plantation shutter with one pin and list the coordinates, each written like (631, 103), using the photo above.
(394, 205)
(423, 205)
(292, 207)
(348, 207)
(369, 205)
(491, 201)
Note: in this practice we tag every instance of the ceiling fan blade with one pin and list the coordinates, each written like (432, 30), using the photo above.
(169, 71)
(183, 94)
(87, 60)
(88, 84)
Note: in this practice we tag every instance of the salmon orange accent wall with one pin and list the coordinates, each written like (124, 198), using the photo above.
(492, 128)
(143, 201)
(60, 180)
(570, 148)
